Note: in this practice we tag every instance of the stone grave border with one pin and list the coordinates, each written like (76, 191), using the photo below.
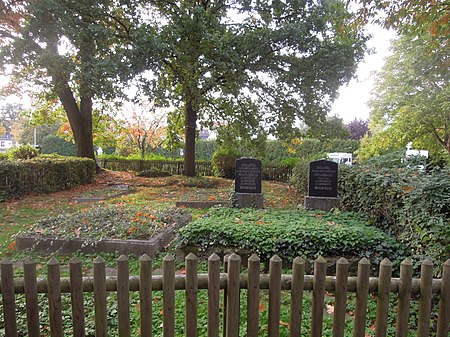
(151, 246)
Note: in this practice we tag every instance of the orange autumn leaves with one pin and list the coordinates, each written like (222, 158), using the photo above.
(140, 219)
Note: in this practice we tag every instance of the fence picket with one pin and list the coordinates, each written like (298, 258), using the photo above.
(123, 296)
(54, 298)
(444, 304)
(76, 295)
(169, 296)
(274, 296)
(362, 289)
(254, 265)
(191, 295)
(213, 295)
(31, 297)
(297, 285)
(101, 314)
(233, 286)
(426, 279)
(8, 298)
(404, 298)
(225, 297)
(320, 269)
(384, 284)
(145, 295)
(340, 304)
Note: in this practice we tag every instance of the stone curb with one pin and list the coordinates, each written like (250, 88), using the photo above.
(150, 247)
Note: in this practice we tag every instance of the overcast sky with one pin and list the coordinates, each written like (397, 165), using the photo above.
(352, 99)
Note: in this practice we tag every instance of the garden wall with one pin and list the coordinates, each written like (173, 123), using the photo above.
(43, 175)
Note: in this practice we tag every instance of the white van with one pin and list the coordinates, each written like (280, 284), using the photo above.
(340, 157)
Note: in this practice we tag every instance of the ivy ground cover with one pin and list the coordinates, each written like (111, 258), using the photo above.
(289, 233)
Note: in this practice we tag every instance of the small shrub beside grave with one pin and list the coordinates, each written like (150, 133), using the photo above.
(289, 233)
(153, 172)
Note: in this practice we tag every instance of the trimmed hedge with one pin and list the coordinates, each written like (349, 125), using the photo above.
(43, 174)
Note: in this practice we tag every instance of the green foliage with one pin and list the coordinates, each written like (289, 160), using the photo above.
(204, 149)
(412, 98)
(43, 175)
(289, 233)
(413, 206)
(58, 145)
(23, 152)
(224, 162)
(4, 156)
(331, 128)
(153, 172)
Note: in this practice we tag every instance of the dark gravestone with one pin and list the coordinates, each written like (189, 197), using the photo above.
(248, 183)
(322, 186)
(323, 179)
(248, 175)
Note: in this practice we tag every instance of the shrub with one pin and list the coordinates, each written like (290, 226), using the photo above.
(289, 233)
(43, 175)
(4, 156)
(58, 145)
(413, 206)
(224, 162)
(23, 152)
(153, 172)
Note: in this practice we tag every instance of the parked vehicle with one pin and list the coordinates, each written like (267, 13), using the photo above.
(340, 157)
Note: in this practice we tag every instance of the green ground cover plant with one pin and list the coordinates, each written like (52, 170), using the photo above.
(290, 233)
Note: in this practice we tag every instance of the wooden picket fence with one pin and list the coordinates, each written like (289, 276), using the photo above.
(231, 283)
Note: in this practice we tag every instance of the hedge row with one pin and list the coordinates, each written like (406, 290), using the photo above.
(43, 175)
(413, 206)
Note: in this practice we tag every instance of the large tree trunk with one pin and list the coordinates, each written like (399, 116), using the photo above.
(189, 132)
(80, 120)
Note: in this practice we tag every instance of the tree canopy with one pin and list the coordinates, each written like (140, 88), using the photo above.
(411, 98)
(69, 50)
(219, 62)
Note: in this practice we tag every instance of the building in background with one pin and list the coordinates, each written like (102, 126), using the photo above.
(6, 142)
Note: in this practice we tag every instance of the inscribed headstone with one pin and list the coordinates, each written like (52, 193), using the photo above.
(323, 177)
(248, 175)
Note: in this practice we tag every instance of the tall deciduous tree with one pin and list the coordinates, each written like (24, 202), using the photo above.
(412, 96)
(227, 61)
(71, 49)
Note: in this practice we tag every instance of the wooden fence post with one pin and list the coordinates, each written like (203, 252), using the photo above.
(225, 297)
(31, 297)
(404, 298)
(426, 282)
(145, 295)
(8, 298)
(274, 296)
(54, 298)
(191, 295)
(341, 297)
(101, 313)
(297, 285)
(233, 306)
(384, 284)
(213, 295)
(76, 295)
(169, 296)
(254, 265)
(444, 305)
(362, 289)
(123, 296)
(320, 270)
